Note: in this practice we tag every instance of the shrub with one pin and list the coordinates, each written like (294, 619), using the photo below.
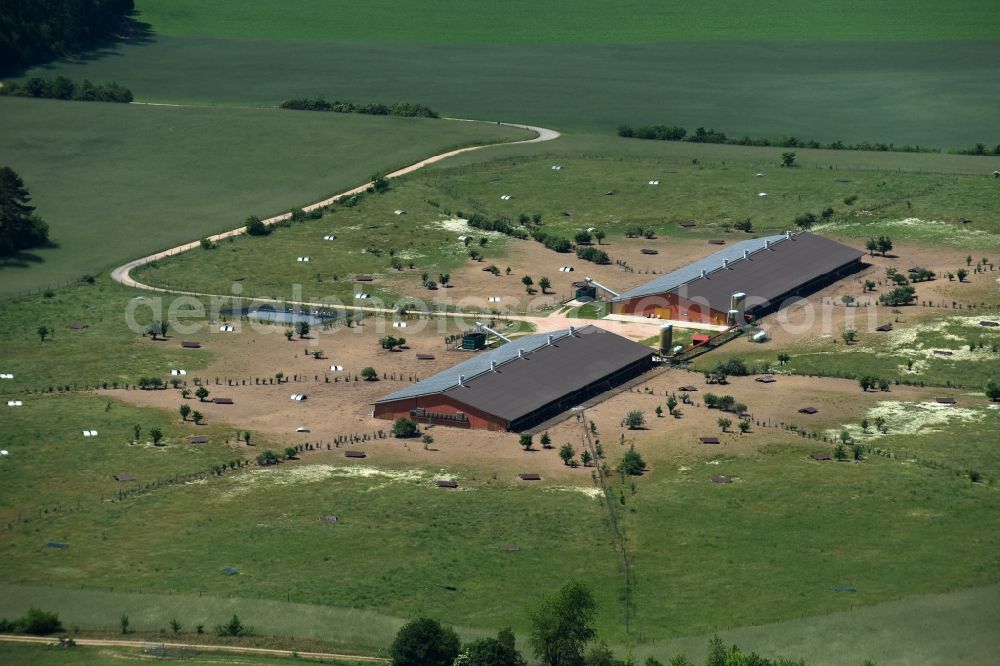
(255, 227)
(557, 244)
(404, 428)
(902, 295)
(632, 463)
(805, 220)
(233, 628)
(593, 254)
(36, 622)
(403, 109)
(525, 441)
(733, 367)
(634, 420)
(268, 457)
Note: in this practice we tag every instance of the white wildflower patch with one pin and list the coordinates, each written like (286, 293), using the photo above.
(936, 230)
(589, 491)
(407, 255)
(912, 418)
(917, 367)
(906, 341)
(460, 227)
(281, 475)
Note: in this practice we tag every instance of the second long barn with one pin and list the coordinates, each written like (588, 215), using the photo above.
(523, 383)
(753, 276)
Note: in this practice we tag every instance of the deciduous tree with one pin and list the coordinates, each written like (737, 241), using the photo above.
(563, 625)
(424, 642)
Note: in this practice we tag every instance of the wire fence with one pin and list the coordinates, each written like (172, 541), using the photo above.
(619, 540)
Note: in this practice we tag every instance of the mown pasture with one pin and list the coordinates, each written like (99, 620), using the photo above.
(117, 181)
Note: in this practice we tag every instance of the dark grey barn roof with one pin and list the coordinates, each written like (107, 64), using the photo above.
(473, 366)
(771, 272)
(712, 262)
(522, 385)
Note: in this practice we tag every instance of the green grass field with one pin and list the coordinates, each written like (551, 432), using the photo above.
(49, 428)
(955, 627)
(733, 556)
(106, 351)
(718, 190)
(118, 181)
(756, 560)
(704, 557)
(561, 21)
(401, 547)
(906, 354)
(267, 267)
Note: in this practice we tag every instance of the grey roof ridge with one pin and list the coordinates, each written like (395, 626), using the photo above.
(769, 242)
(729, 265)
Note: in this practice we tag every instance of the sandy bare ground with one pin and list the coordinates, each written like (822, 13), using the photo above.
(343, 408)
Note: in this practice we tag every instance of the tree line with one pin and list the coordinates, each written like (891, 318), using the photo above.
(404, 109)
(562, 633)
(701, 135)
(36, 31)
(20, 227)
(62, 88)
(523, 230)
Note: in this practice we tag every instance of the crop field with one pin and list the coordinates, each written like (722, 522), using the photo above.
(596, 88)
(588, 21)
(168, 175)
(870, 72)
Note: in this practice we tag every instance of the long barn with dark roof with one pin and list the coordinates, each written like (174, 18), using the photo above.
(523, 383)
(754, 276)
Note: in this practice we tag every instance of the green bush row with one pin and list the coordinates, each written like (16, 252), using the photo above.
(62, 88)
(701, 135)
(404, 109)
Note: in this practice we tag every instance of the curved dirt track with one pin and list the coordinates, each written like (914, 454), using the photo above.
(122, 273)
(233, 649)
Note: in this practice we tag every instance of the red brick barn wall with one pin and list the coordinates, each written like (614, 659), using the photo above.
(438, 404)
